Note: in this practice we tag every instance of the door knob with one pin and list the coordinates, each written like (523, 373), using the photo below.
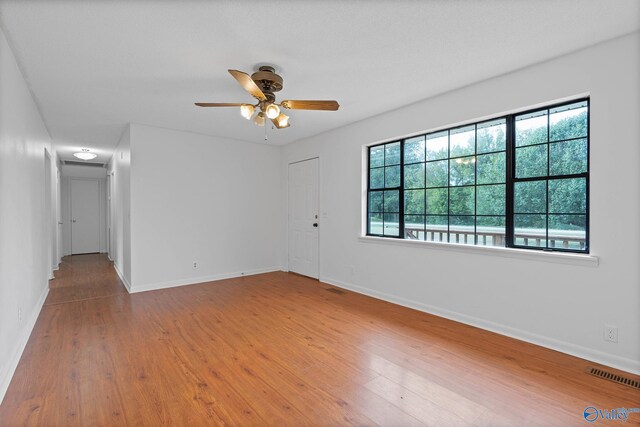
(315, 224)
(73, 220)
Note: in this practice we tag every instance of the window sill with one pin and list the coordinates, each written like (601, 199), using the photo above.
(533, 255)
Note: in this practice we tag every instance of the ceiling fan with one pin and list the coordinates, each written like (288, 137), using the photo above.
(262, 85)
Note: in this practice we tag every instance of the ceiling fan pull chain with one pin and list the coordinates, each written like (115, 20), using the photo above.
(265, 132)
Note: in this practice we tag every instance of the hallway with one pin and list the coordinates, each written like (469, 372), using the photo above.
(83, 277)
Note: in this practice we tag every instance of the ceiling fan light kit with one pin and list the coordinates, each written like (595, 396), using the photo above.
(272, 111)
(247, 111)
(283, 120)
(262, 85)
(259, 120)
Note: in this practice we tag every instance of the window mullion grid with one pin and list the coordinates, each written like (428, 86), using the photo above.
(384, 187)
(401, 233)
(368, 190)
(475, 185)
(509, 187)
(424, 190)
(547, 178)
(448, 185)
(588, 195)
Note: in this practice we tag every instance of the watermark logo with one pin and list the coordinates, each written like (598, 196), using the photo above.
(591, 413)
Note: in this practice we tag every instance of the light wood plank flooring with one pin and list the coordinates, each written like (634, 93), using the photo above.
(279, 349)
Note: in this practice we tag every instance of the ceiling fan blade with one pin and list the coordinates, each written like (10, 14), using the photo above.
(218, 104)
(311, 105)
(248, 84)
(275, 123)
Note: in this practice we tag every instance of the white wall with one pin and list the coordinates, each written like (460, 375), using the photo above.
(70, 172)
(556, 305)
(120, 173)
(201, 199)
(25, 225)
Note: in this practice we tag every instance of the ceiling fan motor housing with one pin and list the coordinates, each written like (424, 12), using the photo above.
(267, 80)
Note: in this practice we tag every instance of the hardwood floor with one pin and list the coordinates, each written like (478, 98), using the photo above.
(84, 277)
(279, 349)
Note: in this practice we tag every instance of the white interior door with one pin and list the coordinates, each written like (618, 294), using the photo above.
(85, 216)
(303, 218)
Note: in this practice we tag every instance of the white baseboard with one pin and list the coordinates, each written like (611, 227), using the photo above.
(7, 374)
(624, 364)
(202, 279)
(122, 278)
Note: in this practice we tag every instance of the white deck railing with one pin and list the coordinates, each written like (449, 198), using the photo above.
(492, 236)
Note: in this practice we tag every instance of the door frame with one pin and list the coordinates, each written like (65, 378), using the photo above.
(59, 220)
(101, 206)
(49, 219)
(108, 191)
(111, 214)
(319, 212)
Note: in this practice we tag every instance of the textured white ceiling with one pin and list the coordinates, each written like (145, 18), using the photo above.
(94, 66)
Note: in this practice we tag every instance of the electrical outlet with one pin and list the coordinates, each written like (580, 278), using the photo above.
(610, 333)
(195, 265)
(19, 314)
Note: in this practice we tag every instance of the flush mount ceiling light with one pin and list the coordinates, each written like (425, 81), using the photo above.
(262, 85)
(85, 155)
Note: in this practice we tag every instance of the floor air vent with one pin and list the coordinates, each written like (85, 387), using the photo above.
(613, 377)
(335, 291)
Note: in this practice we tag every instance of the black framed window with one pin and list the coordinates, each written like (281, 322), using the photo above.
(551, 177)
(384, 190)
(518, 181)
